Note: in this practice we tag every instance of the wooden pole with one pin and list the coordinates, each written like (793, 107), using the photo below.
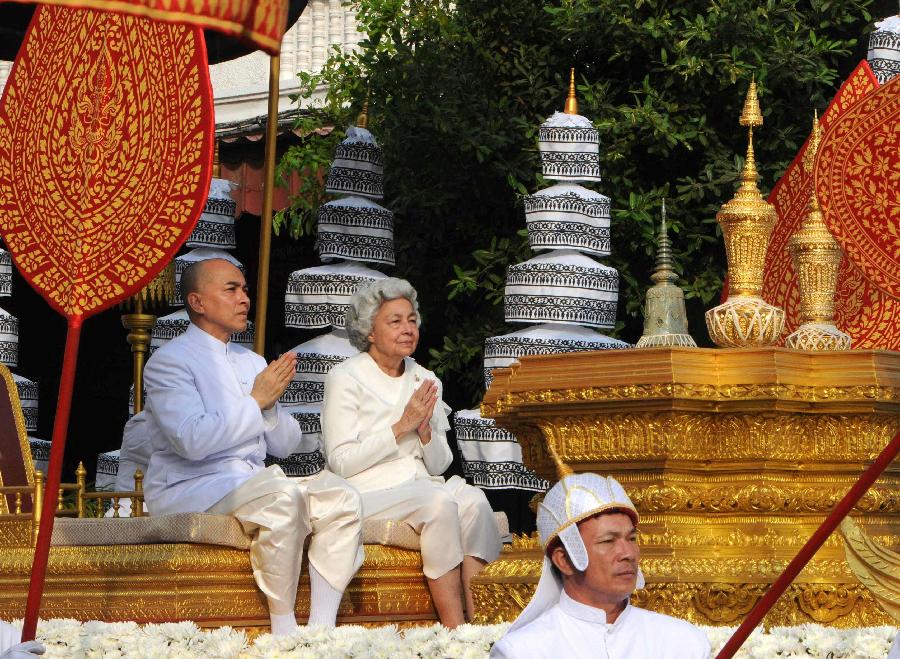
(54, 469)
(265, 222)
(816, 540)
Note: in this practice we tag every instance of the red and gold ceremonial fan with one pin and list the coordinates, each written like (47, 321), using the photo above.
(863, 309)
(106, 147)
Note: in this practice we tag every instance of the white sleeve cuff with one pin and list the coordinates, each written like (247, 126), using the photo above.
(270, 417)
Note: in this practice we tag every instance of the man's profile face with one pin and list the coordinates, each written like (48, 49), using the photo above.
(221, 302)
(611, 574)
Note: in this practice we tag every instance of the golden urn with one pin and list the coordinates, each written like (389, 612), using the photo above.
(817, 259)
(747, 220)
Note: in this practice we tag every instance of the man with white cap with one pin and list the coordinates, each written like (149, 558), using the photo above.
(587, 525)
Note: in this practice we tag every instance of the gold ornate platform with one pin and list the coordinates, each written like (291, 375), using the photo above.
(732, 457)
(210, 585)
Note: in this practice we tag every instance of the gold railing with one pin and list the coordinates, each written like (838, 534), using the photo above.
(78, 508)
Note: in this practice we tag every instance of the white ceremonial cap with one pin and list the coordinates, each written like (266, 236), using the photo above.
(575, 498)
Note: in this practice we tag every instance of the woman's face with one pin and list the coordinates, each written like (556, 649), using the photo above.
(395, 331)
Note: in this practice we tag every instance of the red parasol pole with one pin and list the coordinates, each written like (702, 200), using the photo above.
(54, 469)
(841, 510)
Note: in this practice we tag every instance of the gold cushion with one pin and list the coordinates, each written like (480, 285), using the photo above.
(200, 528)
(205, 528)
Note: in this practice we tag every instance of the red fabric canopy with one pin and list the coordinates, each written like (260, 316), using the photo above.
(261, 22)
(861, 308)
(106, 146)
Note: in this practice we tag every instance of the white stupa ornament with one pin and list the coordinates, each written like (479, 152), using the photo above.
(356, 229)
(357, 168)
(569, 143)
(318, 297)
(562, 293)
(28, 398)
(215, 228)
(884, 49)
(352, 231)
(26, 389)
(9, 339)
(6, 268)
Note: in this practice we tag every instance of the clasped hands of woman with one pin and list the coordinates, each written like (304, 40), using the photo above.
(417, 413)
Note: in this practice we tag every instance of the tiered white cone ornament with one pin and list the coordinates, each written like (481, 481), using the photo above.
(562, 289)
(352, 230)
(884, 49)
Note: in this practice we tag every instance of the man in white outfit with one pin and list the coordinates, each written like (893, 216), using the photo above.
(212, 414)
(587, 525)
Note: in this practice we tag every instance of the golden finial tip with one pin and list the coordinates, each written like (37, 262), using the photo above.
(751, 114)
(571, 101)
(815, 138)
(362, 121)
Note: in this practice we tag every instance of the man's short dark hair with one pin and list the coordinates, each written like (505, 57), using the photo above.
(190, 280)
(551, 547)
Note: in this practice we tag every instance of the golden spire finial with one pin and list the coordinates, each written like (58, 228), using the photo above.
(217, 164)
(362, 121)
(571, 106)
(751, 115)
(812, 149)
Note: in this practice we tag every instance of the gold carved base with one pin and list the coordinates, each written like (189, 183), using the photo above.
(732, 457)
(818, 337)
(212, 586)
(744, 321)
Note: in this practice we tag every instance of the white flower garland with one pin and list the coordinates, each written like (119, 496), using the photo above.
(71, 638)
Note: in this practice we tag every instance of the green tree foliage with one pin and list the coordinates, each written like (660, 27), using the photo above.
(458, 90)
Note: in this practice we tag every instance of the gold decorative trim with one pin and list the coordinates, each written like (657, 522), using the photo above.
(807, 449)
(15, 406)
(702, 392)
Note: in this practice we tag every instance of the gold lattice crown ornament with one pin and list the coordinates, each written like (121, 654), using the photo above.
(665, 319)
(817, 259)
(745, 319)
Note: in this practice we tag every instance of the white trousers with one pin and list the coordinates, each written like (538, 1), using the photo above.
(279, 512)
(453, 519)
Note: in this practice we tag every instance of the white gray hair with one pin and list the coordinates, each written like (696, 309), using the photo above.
(367, 300)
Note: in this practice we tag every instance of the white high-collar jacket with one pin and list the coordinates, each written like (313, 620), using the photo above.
(361, 404)
(208, 434)
(578, 631)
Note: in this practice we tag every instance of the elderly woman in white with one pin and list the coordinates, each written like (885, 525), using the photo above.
(384, 426)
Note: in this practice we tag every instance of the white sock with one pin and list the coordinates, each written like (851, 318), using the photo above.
(283, 624)
(324, 600)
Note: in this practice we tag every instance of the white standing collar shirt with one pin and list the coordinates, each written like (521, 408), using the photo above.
(578, 631)
(207, 432)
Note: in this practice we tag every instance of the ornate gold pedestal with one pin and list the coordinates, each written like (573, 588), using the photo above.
(212, 586)
(732, 457)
